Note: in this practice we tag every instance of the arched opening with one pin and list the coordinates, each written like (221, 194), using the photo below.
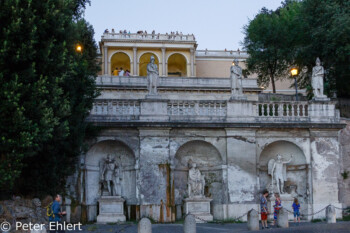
(144, 60)
(295, 172)
(124, 157)
(208, 160)
(120, 60)
(177, 65)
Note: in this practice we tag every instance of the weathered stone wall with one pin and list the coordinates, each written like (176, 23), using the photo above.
(344, 178)
(233, 160)
(23, 210)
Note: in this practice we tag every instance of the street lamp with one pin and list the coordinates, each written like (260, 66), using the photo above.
(294, 72)
(79, 48)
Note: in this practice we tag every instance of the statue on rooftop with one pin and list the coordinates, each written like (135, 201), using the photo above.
(236, 79)
(152, 76)
(317, 79)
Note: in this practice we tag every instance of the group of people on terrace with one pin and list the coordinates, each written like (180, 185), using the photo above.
(121, 72)
(142, 33)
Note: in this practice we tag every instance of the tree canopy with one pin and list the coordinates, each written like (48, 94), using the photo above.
(295, 35)
(46, 92)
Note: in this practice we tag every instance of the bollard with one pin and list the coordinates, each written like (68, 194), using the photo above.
(282, 218)
(330, 214)
(190, 224)
(144, 226)
(253, 220)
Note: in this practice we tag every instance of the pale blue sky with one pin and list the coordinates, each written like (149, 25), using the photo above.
(217, 24)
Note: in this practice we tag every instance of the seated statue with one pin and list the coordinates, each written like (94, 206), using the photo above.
(196, 182)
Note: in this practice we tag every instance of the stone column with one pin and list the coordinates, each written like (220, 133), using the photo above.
(192, 62)
(135, 62)
(163, 63)
(105, 54)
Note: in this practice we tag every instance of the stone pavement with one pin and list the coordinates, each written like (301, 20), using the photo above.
(307, 227)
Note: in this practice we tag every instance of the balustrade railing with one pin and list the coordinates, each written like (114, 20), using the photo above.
(283, 109)
(118, 108)
(215, 110)
(197, 108)
(144, 36)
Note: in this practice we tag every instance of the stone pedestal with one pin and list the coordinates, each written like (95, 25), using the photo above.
(238, 97)
(111, 209)
(321, 98)
(154, 109)
(199, 207)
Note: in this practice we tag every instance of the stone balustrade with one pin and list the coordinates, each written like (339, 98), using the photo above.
(222, 53)
(283, 111)
(143, 36)
(140, 82)
(215, 111)
(119, 109)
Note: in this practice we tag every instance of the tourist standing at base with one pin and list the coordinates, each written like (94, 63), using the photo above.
(296, 208)
(264, 210)
(55, 217)
(276, 207)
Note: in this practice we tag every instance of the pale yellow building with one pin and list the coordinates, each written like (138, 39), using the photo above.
(176, 56)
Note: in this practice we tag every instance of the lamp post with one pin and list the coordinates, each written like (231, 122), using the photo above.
(78, 48)
(294, 72)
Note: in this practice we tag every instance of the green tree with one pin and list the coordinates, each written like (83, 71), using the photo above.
(295, 35)
(264, 39)
(47, 89)
(326, 34)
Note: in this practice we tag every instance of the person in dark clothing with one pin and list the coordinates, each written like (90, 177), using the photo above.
(55, 219)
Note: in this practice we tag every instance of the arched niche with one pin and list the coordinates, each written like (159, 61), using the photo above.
(209, 162)
(297, 169)
(120, 60)
(124, 156)
(177, 65)
(144, 60)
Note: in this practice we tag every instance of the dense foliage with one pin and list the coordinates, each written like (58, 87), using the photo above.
(295, 35)
(46, 91)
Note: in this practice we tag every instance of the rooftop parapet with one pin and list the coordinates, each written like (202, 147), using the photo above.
(110, 36)
(221, 54)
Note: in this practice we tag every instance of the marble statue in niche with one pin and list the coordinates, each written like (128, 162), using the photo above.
(278, 170)
(196, 182)
(110, 177)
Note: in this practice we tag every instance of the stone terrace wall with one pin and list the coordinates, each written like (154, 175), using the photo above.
(344, 184)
